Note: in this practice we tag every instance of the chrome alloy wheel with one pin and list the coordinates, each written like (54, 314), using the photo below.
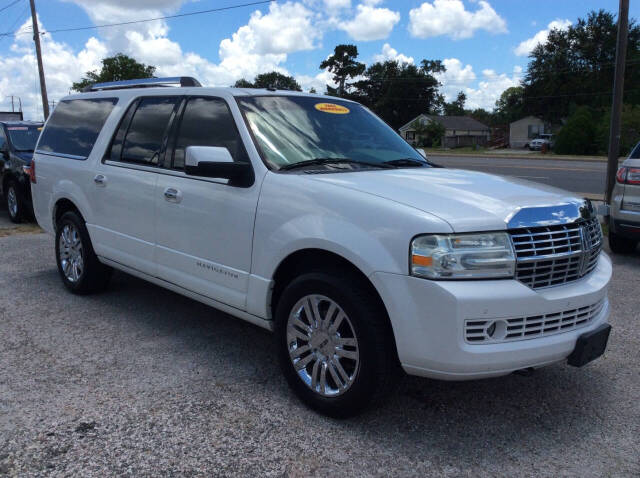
(322, 345)
(71, 253)
(12, 202)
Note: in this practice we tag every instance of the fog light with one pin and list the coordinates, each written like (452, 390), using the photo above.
(497, 330)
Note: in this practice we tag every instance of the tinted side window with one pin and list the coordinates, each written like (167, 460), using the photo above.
(115, 150)
(144, 141)
(3, 140)
(74, 126)
(208, 122)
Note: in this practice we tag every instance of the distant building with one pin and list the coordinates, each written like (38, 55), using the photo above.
(459, 130)
(11, 116)
(521, 132)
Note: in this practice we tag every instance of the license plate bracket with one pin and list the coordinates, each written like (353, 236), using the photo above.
(590, 346)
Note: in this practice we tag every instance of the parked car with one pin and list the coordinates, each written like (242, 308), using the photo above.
(624, 218)
(363, 260)
(17, 142)
(542, 140)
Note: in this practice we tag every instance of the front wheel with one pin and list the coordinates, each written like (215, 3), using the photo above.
(335, 343)
(620, 244)
(14, 202)
(78, 265)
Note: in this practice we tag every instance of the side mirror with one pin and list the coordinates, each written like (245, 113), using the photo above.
(422, 152)
(216, 162)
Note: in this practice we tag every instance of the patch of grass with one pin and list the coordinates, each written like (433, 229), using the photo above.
(21, 229)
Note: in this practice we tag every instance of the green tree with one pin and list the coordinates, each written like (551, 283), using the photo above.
(629, 130)
(116, 68)
(482, 115)
(242, 83)
(272, 79)
(456, 107)
(398, 92)
(576, 66)
(578, 135)
(509, 107)
(344, 66)
(428, 134)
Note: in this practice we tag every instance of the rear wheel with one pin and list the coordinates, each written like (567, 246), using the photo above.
(620, 244)
(335, 343)
(78, 265)
(14, 202)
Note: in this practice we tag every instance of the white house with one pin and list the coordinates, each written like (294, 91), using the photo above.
(526, 129)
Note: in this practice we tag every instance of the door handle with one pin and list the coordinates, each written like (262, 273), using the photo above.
(100, 180)
(172, 195)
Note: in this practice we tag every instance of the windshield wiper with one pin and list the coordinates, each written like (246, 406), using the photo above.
(322, 161)
(407, 162)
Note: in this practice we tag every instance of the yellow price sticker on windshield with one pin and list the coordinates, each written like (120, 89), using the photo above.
(332, 108)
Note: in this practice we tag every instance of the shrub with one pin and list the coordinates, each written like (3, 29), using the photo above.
(578, 135)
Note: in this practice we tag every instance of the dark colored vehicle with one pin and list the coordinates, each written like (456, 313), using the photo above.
(17, 141)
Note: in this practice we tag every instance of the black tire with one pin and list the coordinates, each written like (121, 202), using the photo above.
(620, 244)
(378, 370)
(94, 276)
(14, 202)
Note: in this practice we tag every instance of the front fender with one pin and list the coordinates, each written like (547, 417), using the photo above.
(331, 234)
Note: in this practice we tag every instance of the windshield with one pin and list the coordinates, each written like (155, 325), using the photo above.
(635, 154)
(24, 138)
(293, 129)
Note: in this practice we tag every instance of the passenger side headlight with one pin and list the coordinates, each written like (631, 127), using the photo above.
(462, 256)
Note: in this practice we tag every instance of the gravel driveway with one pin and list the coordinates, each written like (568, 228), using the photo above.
(140, 381)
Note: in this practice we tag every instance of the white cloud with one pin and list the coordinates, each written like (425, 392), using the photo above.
(456, 74)
(481, 95)
(370, 23)
(18, 71)
(337, 4)
(319, 81)
(389, 53)
(527, 46)
(261, 45)
(449, 17)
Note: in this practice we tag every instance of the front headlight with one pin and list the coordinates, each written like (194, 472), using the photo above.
(463, 256)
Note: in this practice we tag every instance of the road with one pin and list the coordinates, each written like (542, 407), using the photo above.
(139, 381)
(587, 177)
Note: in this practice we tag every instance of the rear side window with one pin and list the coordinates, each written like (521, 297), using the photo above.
(74, 126)
(144, 140)
(207, 122)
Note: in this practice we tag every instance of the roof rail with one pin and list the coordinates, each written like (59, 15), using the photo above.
(143, 83)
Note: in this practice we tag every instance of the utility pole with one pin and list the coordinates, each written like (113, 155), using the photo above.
(616, 106)
(36, 38)
(12, 108)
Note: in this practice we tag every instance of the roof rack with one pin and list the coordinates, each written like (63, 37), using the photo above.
(143, 83)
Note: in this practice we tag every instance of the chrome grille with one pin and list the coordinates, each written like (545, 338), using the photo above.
(553, 255)
(520, 328)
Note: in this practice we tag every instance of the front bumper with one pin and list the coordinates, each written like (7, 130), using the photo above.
(428, 321)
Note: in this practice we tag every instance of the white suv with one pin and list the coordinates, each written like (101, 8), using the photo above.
(307, 215)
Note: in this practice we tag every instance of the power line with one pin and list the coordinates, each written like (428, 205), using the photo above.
(166, 17)
(10, 5)
(21, 15)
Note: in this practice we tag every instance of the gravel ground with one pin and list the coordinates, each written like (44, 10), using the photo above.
(140, 381)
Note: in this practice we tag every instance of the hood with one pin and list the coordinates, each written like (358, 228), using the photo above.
(467, 200)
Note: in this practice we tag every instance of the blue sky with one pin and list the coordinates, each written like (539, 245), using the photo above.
(483, 43)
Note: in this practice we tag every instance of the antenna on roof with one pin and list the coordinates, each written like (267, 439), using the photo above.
(182, 81)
